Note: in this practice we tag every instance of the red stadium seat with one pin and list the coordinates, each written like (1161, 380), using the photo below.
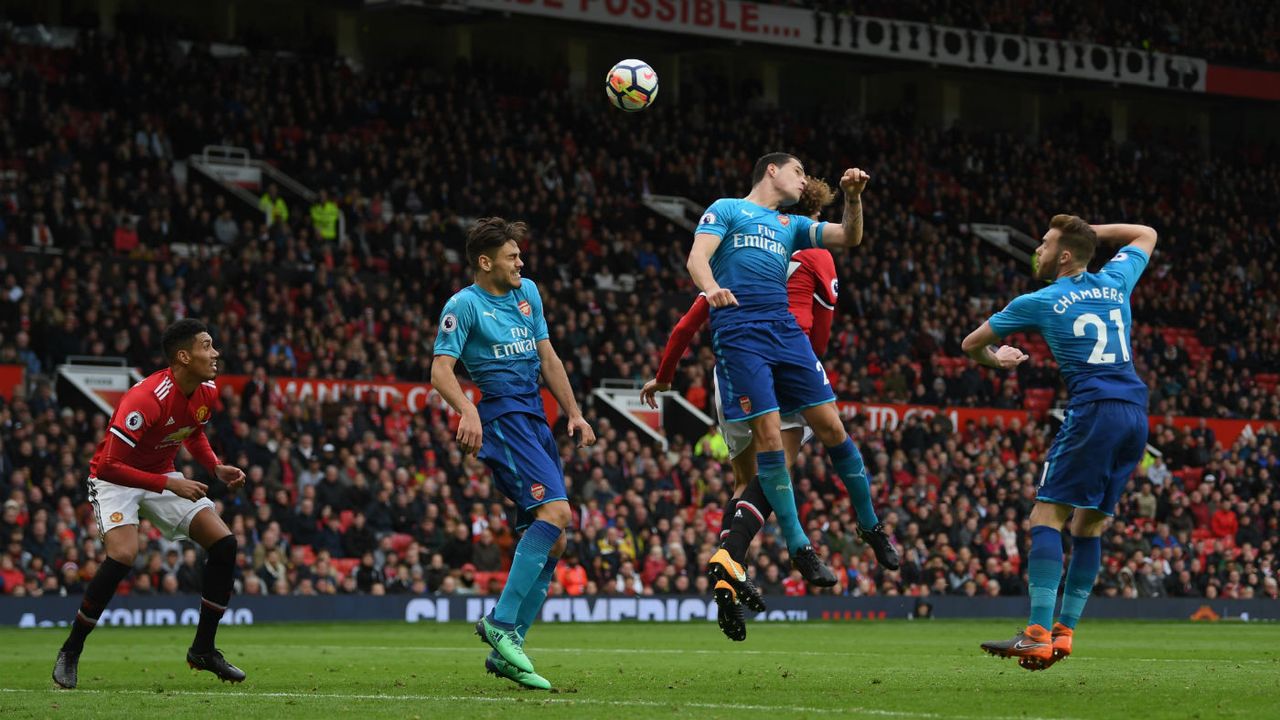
(344, 566)
(400, 542)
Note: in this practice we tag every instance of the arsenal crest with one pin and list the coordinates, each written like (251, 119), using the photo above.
(538, 491)
(744, 402)
(525, 308)
(785, 220)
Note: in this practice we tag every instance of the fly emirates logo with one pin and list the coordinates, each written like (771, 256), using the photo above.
(766, 239)
(523, 344)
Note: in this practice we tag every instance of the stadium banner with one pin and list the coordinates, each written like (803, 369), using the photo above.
(413, 397)
(160, 610)
(1227, 432)
(12, 377)
(882, 416)
(734, 20)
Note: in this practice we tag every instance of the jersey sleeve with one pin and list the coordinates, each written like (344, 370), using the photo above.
(455, 323)
(539, 317)
(683, 333)
(1126, 267)
(1021, 314)
(138, 411)
(715, 221)
(805, 233)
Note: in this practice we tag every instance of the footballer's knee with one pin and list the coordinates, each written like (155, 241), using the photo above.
(122, 544)
(557, 513)
(558, 549)
(223, 550)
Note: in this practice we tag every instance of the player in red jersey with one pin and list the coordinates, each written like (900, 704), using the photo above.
(133, 471)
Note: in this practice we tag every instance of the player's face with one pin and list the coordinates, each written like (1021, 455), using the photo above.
(203, 357)
(790, 181)
(506, 265)
(1047, 256)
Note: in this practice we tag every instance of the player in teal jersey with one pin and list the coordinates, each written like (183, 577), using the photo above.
(765, 364)
(497, 329)
(1085, 319)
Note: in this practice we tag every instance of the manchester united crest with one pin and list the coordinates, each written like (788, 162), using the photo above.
(202, 413)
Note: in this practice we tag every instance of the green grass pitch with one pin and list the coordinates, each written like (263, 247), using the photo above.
(895, 669)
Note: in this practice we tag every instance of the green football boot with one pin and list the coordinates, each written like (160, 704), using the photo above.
(497, 666)
(506, 642)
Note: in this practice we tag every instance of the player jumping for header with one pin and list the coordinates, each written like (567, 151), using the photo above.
(132, 472)
(765, 366)
(1086, 321)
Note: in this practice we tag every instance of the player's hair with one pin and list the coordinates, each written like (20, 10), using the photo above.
(489, 234)
(1076, 236)
(817, 195)
(762, 165)
(180, 335)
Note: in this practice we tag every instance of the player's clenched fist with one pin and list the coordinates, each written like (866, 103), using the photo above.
(854, 181)
(186, 488)
(721, 297)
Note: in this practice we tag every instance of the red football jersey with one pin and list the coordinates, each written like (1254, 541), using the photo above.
(153, 419)
(812, 293)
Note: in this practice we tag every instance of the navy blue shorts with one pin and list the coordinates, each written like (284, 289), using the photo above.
(767, 367)
(1094, 454)
(519, 449)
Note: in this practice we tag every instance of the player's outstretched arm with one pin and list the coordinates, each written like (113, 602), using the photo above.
(558, 381)
(470, 436)
(978, 346)
(699, 265)
(1119, 235)
(849, 232)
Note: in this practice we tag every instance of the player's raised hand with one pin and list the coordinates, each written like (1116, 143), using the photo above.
(470, 433)
(1010, 357)
(854, 181)
(579, 426)
(649, 393)
(721, 297)
(186, 488)
(231, 475)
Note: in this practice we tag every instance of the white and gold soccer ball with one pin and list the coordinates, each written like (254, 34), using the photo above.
(631, 85)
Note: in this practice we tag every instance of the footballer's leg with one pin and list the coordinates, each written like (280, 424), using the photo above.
(1082, 570)
(212, 534)
(1044, 572)
(526, 465)
(847, 461)
(122, 547)
(525, 618)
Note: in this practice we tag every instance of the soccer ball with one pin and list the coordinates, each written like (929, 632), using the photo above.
(631, 85)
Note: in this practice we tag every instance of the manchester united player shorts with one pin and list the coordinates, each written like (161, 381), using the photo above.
(737, 435)
(1094, 454)
(766, 367)
(118, 505)
(519, 449)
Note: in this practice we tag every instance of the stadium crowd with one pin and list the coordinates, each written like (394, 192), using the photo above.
(350, 497)
(1235, 32)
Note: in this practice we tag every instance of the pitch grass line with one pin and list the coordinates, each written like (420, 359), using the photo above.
(527, 698)
(681, 651)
